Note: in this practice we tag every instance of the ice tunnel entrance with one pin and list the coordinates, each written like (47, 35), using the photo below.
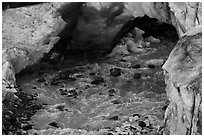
(119, 91)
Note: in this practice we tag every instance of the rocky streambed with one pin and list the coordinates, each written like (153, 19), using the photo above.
(121, 94)
(97, 68)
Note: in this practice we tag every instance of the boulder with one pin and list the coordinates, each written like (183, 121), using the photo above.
(137, 34)
(119, 50)
(152, 40)
(154, 62)
(27, 33)
(183, 77)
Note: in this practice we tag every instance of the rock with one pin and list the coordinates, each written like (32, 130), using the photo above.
(54, 124)
(111, 91)
(136, 115)
(63, 92)
(54, 82)
(97, 80)
(119, 50)
(142, 124)
(134, 47)
(185, 15)
(72, 93)
(28, 33)
(116, 102)
(152, 40)
(137, 34)
(42, 79)
(137, 75)
(151, 66)
(135, 66)
(154, 62)
(34, 87)
(183, 77)
(92, 73)
(146, 44)
(130, 58)
(131, 43)
(60, 107)
(26, 126)
(114, 118)
(115, 72)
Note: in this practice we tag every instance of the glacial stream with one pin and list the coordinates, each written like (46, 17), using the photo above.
(109, 95)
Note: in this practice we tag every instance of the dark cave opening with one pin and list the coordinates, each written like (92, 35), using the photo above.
(151, 27)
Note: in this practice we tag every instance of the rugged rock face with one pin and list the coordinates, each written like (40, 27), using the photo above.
(185, 15)
(183, 76)
(28, 33)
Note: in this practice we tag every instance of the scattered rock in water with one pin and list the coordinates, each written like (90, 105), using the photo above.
(114, 118)
(136, 66)
(138, 50)
(165, 107)
(97, 80)
(137, 75)
(116, 102)
(134, 47)
(54, 124)
(71, 78)
(87, 86)
(155, 62)
(152, 40)
(41, 80)
(78, 76)
(34, 87)
(16, 115)
(130, 58)
(72, 93)
(115, 72)
(65, 74)
(142, 124)
(26, 126)
(119, 50)
(111, 91)
(63, 92)
(54, 82)
(151, 66)
(111, 95)
(136, 115)
(60, 107)
(92, 73)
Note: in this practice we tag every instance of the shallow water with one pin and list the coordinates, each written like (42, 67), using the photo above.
(71, 101)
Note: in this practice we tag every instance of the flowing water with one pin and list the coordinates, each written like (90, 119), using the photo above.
(81, 96)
